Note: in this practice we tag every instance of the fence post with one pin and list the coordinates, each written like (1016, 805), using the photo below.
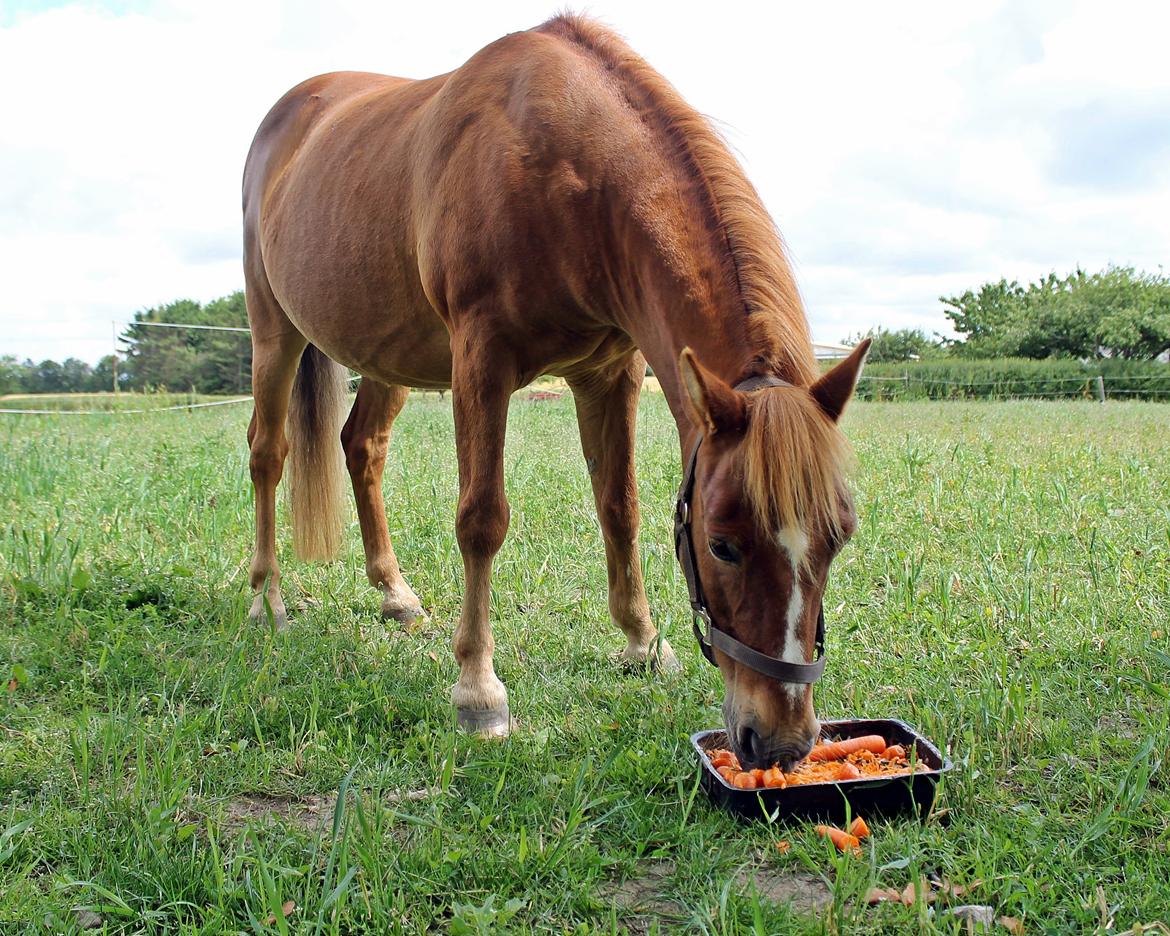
(1100, 389)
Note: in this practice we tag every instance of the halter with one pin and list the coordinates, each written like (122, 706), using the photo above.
(709, 636)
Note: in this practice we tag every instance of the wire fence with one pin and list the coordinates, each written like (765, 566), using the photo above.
(871, 387)
(1152, 387)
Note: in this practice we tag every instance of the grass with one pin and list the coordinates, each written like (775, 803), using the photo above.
(1007, 592)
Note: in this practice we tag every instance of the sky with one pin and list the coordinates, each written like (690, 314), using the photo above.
(907, 151)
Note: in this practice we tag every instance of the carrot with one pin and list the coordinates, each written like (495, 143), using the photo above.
(838, 750)
(847, 771)
(727, 773)
(758, 776)
(843, 840)
(894, 752)
(858, 828)
(724, 759)
(774, 778)
(783, 845)
(743, 781)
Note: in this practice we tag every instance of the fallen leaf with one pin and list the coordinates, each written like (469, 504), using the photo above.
(956, 890)
(87, 920)
(910, 893)
(1011, 924)
(431, 654)
(13, 685)
(286, 910)
(878, 895)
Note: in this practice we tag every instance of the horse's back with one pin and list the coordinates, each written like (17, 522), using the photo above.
(391, 207)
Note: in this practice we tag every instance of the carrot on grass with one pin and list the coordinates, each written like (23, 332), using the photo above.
(843, 840)
(838, 750)
(858, 828)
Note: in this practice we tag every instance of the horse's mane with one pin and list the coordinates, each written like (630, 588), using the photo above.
(795, 459)
(794, 455)
(756, 263)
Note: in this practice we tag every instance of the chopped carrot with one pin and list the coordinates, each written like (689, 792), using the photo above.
(894, 752)
(838, 750)
(847, 771)
(774, 778)
(843, 840)
(724, 759)
(858, 828)
(727, 773)
(783, 846)
(758, 776)
(743, 781)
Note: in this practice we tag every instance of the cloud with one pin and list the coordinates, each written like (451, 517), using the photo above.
(905, 153)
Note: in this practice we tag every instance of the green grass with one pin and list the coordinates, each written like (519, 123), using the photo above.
(1007, 592)
(104, 402)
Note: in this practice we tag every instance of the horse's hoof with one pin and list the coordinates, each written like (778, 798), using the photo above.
(487, 723)
(268, 615)
(650, 658)
(404, 615)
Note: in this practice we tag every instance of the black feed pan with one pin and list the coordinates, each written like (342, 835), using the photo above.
(877, 797)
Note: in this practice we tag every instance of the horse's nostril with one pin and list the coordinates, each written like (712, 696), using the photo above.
(749, 743)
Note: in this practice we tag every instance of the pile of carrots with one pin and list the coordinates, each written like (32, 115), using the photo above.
(828, 762)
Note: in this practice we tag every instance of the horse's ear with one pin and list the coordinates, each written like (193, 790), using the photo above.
(836, 386)
(711, 403)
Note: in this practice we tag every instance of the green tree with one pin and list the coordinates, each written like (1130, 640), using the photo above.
(198, 359)
(12, 374)
(1117, 312)
(902, 344)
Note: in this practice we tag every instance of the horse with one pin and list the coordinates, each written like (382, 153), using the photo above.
(552, 206)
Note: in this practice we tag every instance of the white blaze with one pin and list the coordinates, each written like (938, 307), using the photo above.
(795, 543)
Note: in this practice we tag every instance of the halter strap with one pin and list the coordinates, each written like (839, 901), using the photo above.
(709, 636)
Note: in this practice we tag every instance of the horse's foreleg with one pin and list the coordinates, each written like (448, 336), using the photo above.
(366, 438)
(607, 405)
(274, 364)
(481, 385)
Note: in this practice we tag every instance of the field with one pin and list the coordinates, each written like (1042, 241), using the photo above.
(166, 768)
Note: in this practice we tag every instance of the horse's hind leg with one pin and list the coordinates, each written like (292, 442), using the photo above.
(607, 405)
(366, 438)
(276, 351)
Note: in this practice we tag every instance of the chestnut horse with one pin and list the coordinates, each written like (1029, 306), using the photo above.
(552, 206)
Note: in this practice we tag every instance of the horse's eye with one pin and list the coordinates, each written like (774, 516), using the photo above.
(723, 551)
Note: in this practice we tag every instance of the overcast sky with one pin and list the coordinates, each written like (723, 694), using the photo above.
(905, 150)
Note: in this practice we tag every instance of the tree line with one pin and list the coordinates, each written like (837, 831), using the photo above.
(196, 360)
(1117, 313)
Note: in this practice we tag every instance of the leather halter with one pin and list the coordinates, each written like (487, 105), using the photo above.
(709, 636)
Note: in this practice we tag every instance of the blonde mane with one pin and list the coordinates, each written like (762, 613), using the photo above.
(795, 460)
(754, 256)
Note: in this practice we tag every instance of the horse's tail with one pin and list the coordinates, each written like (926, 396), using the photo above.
(316, 464)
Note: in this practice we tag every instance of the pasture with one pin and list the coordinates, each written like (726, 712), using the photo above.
(169, 769)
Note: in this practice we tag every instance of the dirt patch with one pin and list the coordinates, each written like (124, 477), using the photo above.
(644, 896)
(805, 893)
(314, 812)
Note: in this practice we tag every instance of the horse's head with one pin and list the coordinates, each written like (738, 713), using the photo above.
(769, 512)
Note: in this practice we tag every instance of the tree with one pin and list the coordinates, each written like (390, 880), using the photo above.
(12, 375)
(199, 359)
(1117, 312)
(903, 344)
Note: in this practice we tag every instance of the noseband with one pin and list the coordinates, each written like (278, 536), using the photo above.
(709, 636)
